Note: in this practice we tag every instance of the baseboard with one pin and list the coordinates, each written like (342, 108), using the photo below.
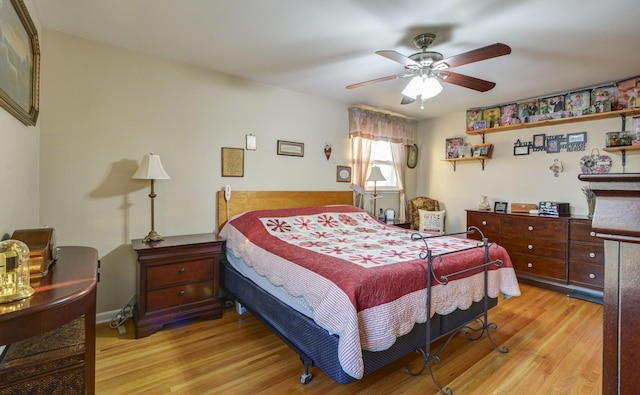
(107, 316)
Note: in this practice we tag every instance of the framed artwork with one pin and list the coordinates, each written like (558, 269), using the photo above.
(551, 104)
(492, 116)
(480, 125)
(232, 162)
(412, 156)
(509, 114)
(454, 147)
(577, 137)
(521, 150)
(578, 102)
(483, 150)
(19, 74)
(500, 207)
(553, 145)
(473, 116)
(290, 148)
(539, 141)
(343, 173)
(527, 110)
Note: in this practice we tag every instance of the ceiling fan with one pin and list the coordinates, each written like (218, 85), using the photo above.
(428, 68)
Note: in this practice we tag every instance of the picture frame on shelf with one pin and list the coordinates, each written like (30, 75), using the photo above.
(578, 103)
(491, 116)
(500, 207)
(553, 145)
(473, 116)
(467, 150)
(551, 104)
(628, 92)
(483, 150)
(509, 114)
(539, 140)
(19, 90)
(527, 110)
(479, 125)
(343, 173)
(290, 148)
(520, 150)
(604, 98)
(454, 147)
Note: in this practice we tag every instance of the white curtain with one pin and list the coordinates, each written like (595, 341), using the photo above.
(367, 125)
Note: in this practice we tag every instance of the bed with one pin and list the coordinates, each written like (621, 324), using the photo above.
(345, 291)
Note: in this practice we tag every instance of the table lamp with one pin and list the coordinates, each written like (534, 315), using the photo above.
(151, 169)
(375, 176)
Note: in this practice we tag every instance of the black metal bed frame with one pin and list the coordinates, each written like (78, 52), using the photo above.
(428, 357)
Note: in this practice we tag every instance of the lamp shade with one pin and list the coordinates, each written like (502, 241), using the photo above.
(430, 88)
(413, 88)
(151, 169)
(376, 175)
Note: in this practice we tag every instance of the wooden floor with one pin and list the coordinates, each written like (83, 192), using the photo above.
(555, 347)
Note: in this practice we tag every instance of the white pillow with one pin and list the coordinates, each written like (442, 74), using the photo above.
(431, 221)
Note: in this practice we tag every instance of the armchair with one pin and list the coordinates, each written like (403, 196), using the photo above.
(420, 203)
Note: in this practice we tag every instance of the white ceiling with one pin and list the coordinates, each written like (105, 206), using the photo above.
(320, 46)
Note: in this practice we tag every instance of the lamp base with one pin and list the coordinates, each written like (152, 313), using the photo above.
(152, 236)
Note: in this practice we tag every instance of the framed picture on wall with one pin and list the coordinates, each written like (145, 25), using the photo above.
(343, 173)
(232, 162)
(19, 62)
(290, 148)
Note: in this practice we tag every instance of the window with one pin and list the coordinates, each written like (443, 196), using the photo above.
(382, 157)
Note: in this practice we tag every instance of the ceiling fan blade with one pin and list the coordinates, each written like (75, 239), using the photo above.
(466, 81)
(387, 78)
(484, 53)
(406, 100)
(398, 57)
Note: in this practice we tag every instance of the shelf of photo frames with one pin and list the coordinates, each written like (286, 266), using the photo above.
(629, 112)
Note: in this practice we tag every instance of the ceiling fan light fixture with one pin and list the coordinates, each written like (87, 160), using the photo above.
(413, 88)
(430, 88)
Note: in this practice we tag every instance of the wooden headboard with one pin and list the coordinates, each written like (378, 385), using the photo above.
(242, 201)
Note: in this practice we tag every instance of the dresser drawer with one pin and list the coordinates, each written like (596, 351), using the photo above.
(587, 275)
(581, 230)
(539, 266)
(179, 295)
(536, 227)
(178, 273)
(586, 253)
(516, 244)
(489, 225)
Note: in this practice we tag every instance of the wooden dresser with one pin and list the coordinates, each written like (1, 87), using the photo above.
(617, 221)
(50, 337)
(553, 251)
(178, 278)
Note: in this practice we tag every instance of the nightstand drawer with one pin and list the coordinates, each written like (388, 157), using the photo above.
(539, 266)
(178, 273)
(586, 253)
(587, 275)
(176, 296)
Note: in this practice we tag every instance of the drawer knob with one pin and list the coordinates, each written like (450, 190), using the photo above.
(529, 264)
(592, 276)
(181, 293)
(530, 247)
(592, 254)
(182, 270)
(592, 234)
(530, 227)
(484, 222)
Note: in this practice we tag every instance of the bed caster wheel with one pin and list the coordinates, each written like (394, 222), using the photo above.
(305, 378)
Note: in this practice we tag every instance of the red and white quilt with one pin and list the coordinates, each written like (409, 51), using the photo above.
(364, 280)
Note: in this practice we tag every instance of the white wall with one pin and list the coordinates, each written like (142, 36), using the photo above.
(106, 107)
(520, 179)
(19, 170)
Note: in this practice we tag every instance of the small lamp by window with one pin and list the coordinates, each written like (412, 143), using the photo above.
(151, 169)
(375, 176)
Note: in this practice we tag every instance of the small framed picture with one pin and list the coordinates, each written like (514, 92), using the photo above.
(578, 102)
(473, 116)
(550, 105)
(577, 137)
(232, 162)
(553, 145)
(539, 141)
(290, 148)
(483, 150)
(521, 150)
(500, 207)
(479, 125)
(491, 116)
(454, 147)
(343, 173)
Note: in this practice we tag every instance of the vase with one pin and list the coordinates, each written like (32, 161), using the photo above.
(591, 205)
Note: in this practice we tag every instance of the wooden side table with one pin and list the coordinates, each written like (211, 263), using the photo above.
(178, 278)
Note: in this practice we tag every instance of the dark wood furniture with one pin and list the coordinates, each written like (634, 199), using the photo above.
(617, 221)
(555, 252)
(178, 279)
(51, 335)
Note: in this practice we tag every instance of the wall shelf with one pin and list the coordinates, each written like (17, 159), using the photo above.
(453, 161)
(622, 150)
(549, 122)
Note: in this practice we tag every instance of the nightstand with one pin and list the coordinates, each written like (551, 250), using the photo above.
(178, 278)
(404, 225)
